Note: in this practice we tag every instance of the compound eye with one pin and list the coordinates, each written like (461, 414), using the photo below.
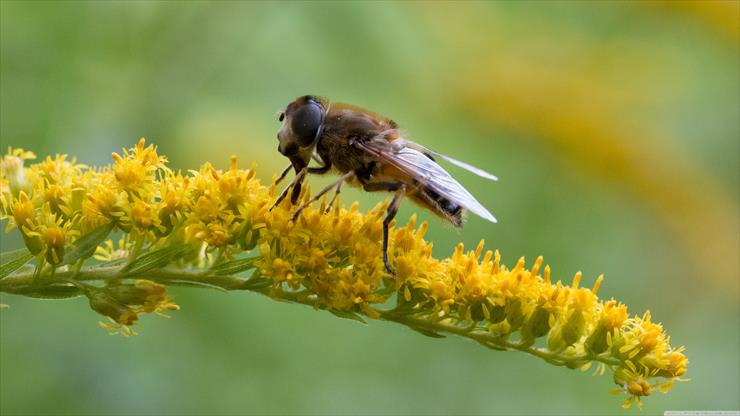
(305, 122)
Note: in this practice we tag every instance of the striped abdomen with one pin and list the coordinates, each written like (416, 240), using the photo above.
(440, 205)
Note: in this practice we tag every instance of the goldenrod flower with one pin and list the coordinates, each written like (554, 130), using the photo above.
(135, 171)
(207, 227)
(13, 172)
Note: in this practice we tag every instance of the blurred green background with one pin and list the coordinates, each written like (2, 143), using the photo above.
(612, 125)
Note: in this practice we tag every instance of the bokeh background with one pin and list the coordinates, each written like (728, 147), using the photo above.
(612, 125)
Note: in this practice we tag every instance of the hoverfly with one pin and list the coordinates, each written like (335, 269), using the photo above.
(368, 149)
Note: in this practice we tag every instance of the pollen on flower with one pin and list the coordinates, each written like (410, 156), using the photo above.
(211, 219)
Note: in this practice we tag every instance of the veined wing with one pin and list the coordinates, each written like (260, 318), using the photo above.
(427, 172)
(400, 143)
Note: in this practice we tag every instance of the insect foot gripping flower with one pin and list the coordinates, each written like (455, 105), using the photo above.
(216, 229)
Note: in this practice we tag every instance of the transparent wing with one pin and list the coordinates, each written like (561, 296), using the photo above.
(423, 169)
(470, 168)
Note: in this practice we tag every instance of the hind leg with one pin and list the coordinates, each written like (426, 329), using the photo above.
(400, 189)
(390, 214)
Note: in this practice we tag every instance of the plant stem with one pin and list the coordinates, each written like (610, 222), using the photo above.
(22, 282)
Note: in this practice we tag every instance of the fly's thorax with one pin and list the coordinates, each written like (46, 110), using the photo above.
(342, 156)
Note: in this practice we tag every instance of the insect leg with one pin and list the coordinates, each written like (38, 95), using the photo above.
(284, 174)
(295, 183)
(315, 198)
(334, 198)
(296, 192)
(390, 214)
(326, 166)
(381, 186)
(320, 170)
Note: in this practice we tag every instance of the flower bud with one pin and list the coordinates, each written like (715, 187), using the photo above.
(514, 314)
(143, 296)
(12, 167)
(102, 303)
(24, 215)
(633, 383)
(612, 317)
(537, 325)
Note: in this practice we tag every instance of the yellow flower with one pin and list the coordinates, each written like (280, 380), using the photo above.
(135, 170)
(103, 204)
(207, 226)
(57, 170)
(23, 211)
(13, 173)
(174, 199)
(122, 303)
(145, 219)
(54, 195)
(612, 316)
(143, 296)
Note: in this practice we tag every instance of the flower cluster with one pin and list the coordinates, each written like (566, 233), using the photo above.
(123, 302)
(206, 227)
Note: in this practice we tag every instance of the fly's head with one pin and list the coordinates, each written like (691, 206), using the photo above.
(302, 122)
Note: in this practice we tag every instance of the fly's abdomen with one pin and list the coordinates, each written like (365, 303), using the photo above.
(441, 205)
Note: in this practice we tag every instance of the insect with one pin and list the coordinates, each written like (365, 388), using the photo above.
(369, 150)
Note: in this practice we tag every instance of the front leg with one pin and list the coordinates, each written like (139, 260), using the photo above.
(321, 169)
(284, 174)
(295, 184)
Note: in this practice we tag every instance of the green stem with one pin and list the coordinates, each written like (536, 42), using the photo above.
(22, 282)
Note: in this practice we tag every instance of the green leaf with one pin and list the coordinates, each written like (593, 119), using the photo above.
(51, 292)
(188, 283)
(256, 283)
(348, 315)
(385, 290)
(234, 266)
(115, 262)
(85, 246)
(156, 259)
(427, 332)
(494, 346)
(13, 260)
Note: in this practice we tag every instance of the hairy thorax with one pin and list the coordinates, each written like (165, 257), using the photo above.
(345, 125)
